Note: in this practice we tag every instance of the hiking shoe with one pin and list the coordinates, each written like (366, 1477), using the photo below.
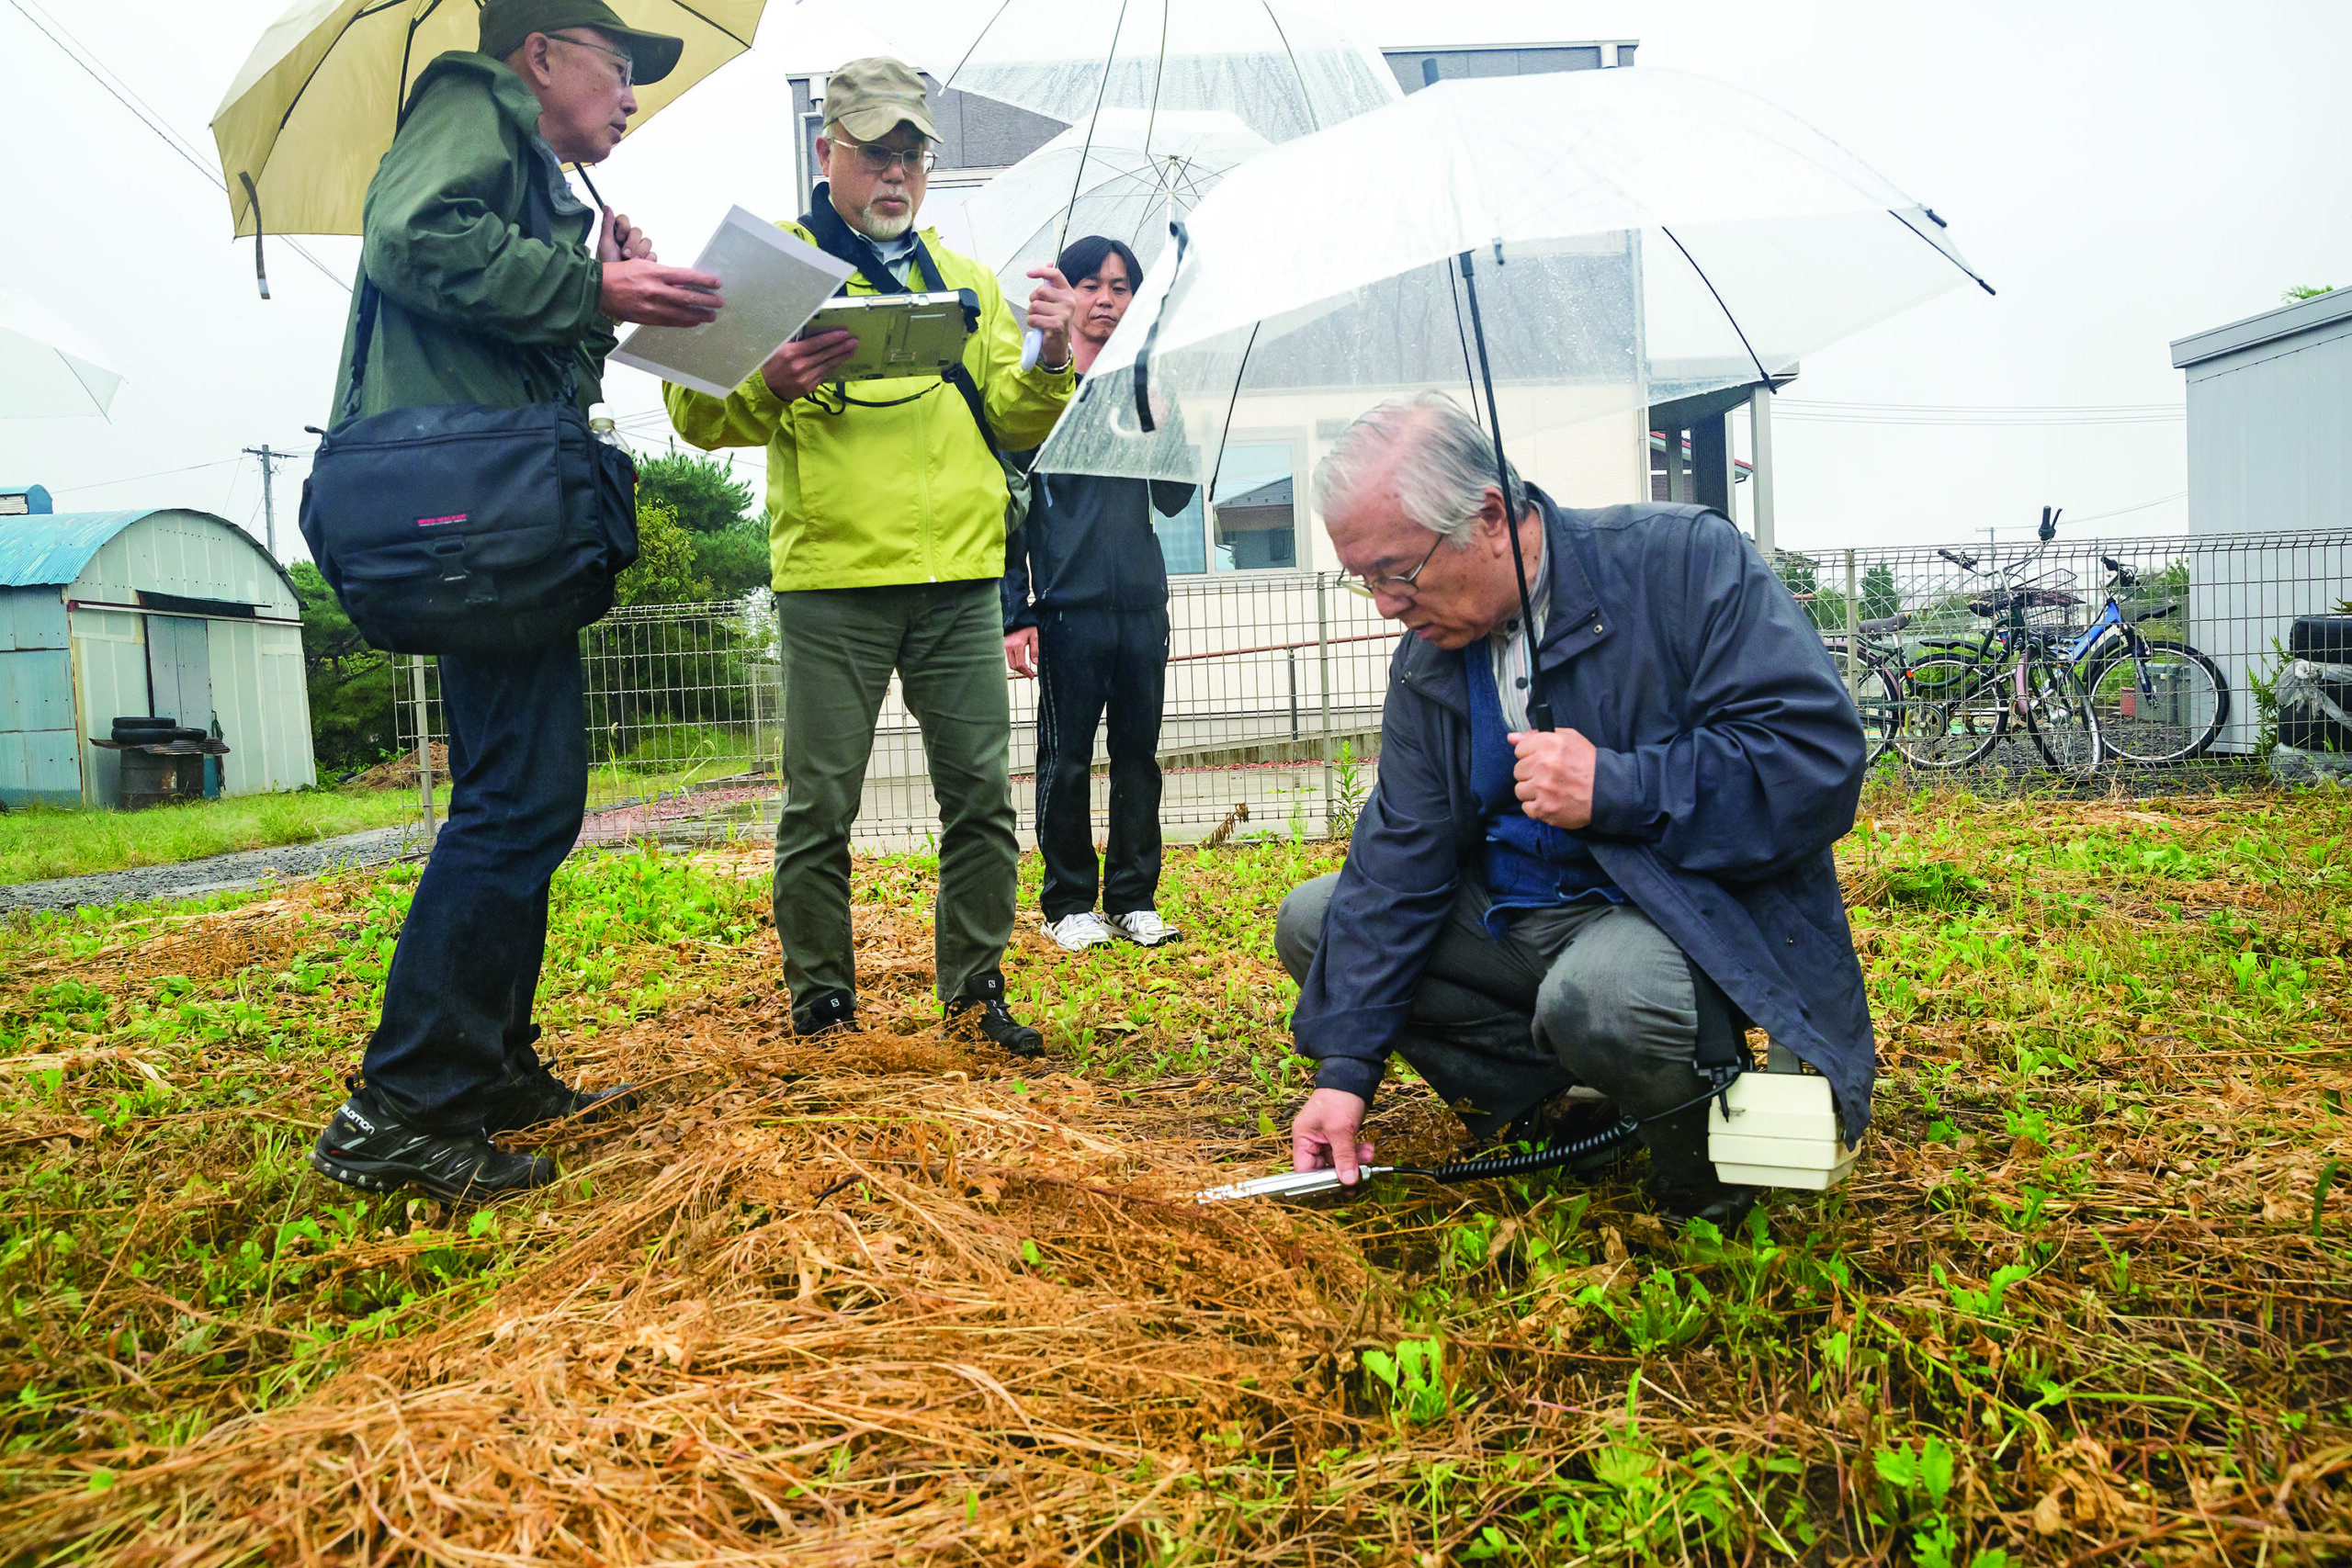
(382, 1156)
(982, 1008)
(1144, 927)
(1079, 932)
(825, 1012)
(1723, 1204)
(546, 1097)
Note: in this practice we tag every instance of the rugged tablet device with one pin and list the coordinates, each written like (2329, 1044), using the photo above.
(899, 334)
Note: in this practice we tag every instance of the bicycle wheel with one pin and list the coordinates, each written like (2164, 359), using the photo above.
(1954, 709)
(2161, 702)
(1877, 698)
(2058, 715)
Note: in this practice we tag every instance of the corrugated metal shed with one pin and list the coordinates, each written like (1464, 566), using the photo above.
(164, 611)
(42, 550)
(2269, 450)
(16, 499)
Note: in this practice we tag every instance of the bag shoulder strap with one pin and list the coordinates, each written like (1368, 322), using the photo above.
(957, 376)
(538, 223)
(838, 240)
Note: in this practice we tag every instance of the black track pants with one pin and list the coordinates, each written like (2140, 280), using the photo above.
(1092, 661)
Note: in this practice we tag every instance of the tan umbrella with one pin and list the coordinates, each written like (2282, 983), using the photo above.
(311, 113)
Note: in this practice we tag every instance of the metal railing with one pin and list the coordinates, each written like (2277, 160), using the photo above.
(1275, 683)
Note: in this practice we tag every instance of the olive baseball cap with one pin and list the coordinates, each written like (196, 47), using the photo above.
(506, 23)
(869, 97)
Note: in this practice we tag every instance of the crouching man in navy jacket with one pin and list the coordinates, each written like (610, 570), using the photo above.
(1611, 902)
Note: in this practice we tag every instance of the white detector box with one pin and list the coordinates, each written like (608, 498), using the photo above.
(1781, 1131)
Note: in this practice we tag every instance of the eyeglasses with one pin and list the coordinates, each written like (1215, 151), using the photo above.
(1368, 585)
(622, 63)
(875, 159)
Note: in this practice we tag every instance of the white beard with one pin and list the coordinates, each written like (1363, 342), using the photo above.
(876, 227)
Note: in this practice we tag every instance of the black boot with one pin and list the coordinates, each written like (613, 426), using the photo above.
(981, 1007)
(1682, 1181)
(544, 1098)
(363, 1147)
(824, 1013)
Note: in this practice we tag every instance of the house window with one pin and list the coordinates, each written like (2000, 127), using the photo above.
(1256, 524)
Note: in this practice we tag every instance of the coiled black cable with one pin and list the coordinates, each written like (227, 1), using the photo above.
(1544, 1159)
(1566, 1152)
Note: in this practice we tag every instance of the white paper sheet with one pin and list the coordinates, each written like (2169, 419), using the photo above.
(774, 283)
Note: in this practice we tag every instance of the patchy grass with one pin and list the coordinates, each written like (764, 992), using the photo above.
(40, 843)
(902, 1300)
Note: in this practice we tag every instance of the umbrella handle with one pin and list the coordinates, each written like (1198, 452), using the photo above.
(1143, 356)
(253, 200)
(1539, 711)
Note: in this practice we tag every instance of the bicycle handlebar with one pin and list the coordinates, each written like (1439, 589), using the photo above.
(1965, 563)
(2124, 576)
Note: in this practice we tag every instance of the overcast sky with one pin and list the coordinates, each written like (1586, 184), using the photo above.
(2123, 175)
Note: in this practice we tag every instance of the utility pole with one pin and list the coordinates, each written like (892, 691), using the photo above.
(269, 460)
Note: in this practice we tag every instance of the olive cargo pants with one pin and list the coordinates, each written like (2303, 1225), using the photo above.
(945, 641)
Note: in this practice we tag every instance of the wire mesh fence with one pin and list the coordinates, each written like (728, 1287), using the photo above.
(2133, 664)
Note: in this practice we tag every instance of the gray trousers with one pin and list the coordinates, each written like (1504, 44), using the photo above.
(1589, 993)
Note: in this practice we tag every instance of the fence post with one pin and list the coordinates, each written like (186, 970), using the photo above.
(1853, 626)
(1323, 685)
(1290, 658)
(424, 743)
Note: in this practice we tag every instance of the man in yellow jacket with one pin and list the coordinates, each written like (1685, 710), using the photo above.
(886, 543)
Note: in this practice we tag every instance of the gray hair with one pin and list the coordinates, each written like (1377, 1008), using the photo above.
(1447, 466)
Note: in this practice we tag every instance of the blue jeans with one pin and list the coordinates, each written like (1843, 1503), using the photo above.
(457, 1025)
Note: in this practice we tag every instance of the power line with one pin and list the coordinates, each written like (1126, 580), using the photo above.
(158, 474)
(98, 71)
(2122, 511)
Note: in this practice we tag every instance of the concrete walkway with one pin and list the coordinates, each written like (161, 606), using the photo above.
(214, 874)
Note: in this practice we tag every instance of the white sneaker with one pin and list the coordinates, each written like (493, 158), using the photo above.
(1079, 932)
(1144, 927)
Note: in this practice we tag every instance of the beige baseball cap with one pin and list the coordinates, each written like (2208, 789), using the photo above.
(869, 97)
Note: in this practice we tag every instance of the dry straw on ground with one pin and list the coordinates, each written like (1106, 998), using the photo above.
(900, 1300)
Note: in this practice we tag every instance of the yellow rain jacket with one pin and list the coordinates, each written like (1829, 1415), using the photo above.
(870, 497)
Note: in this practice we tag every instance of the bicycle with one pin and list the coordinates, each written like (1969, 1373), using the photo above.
(1873, 687)
(1959, 697)
(2157, 703)
(2154, 703)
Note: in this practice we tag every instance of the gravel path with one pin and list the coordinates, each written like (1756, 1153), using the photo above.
(215, 874)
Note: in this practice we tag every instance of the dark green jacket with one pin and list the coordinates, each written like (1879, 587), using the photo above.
(472, 310)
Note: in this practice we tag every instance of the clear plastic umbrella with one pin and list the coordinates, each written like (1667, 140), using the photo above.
(1285, 69)
(1639, 236)
(1123, 173)
(47, 369)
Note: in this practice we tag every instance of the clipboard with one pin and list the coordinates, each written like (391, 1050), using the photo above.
(899, 334)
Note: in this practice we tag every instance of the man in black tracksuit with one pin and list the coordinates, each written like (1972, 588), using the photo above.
(1086, 611)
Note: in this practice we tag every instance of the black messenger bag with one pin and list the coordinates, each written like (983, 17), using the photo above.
(461, 528)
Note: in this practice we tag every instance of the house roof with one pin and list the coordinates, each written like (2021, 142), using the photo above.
(1273, 492)
(2288, 321)
(46, 549)
(52, 548)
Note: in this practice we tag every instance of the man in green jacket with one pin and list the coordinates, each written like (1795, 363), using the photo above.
(885, 541)
(487, 292)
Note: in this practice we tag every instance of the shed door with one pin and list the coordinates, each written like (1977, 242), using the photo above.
(179, 670)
